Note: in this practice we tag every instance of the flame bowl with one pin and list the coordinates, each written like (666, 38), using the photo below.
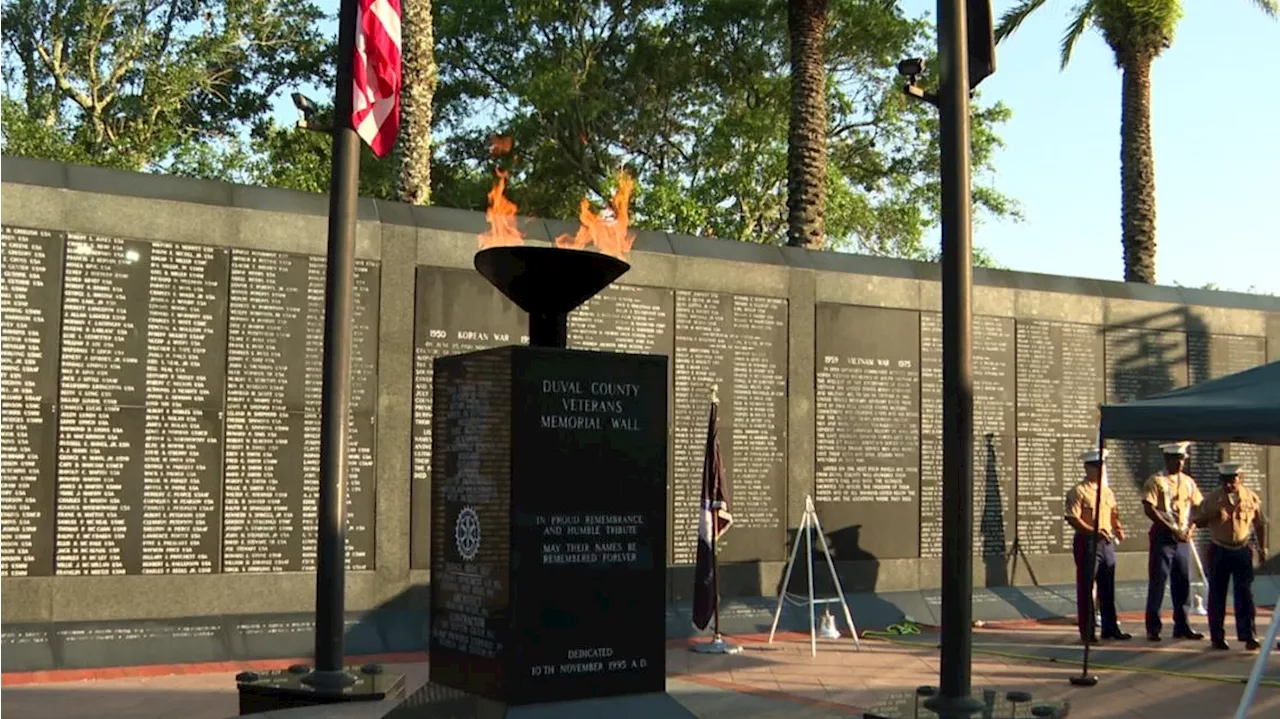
(548, 280)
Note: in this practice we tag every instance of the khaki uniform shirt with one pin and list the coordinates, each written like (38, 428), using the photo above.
(1081, 500)
(1175, 494)
(1233, 533)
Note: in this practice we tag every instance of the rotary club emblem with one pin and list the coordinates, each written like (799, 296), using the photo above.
(466, 533)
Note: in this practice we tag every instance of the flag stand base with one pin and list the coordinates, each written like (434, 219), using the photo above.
(716, 646)
(1197, 599)
(808, 525)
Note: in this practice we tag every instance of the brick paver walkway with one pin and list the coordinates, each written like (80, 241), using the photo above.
(783, 680)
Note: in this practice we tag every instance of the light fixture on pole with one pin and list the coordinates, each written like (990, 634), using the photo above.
(308, 109)
(912, 68)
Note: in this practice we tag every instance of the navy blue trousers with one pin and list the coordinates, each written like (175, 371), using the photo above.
(1234, 566)
(1169, 560)
(1104, 569)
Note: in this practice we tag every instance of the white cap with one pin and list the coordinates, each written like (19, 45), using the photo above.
(1094, 457)
(1175, 448)
(1229, 469)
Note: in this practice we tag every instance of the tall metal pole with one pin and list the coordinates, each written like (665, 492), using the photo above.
(339, 291)
(954, 697)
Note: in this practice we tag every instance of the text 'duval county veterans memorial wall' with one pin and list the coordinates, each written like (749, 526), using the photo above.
(160, 369)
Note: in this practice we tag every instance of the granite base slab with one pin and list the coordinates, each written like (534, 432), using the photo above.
(993, 703)
(435, 701)
(271, 691)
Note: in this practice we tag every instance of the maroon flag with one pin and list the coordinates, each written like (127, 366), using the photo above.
(713, 520)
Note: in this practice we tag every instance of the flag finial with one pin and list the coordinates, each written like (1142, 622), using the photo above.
(715, 394)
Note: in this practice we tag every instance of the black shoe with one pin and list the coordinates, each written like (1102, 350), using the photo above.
(1118, 636)
(1252, 645)
(1153, 636)
(1091, 640)
(1189, 634)
(1220, 646)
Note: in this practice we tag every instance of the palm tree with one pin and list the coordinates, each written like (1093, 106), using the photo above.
(1137, 32)
(417, 93)
(807, 140)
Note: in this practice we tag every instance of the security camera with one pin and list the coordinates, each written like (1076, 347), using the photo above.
(308, 110)
(911, 68)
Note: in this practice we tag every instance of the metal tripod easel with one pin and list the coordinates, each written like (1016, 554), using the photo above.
(808, 523)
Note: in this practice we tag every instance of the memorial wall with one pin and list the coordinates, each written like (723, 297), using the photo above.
(162, 407)
(160, 367)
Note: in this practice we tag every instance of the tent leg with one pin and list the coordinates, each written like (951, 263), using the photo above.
(1259, 664)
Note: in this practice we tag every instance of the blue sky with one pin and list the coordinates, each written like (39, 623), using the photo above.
(1216, 131)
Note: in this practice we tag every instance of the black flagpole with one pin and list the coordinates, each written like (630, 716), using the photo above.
(328, 681)
(955, 696)
(715, 574)
(717, 645)
(1086, 679)
(715, 526)
(336, 393)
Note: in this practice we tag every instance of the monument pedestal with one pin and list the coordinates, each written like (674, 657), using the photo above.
(270, 691)
(549, 531)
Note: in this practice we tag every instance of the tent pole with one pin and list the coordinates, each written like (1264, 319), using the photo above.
(1259, 665)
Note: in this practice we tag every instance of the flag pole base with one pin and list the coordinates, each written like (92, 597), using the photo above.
(716, 646)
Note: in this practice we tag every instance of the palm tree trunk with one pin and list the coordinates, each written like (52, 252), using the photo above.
(418, 89)
(807, 141)
(1137, 171)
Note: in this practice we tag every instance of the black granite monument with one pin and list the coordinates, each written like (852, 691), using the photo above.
(549, 513)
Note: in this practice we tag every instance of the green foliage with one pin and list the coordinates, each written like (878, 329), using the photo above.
(301, 160)
(692, 98)
(30, 137)
(1137, 27)
(130, 85)
(1251, 289)
(286, 157)
(1129, 27)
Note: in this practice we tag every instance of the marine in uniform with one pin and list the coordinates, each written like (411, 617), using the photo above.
(1082, 513)
(1232, 512)
(1169, 498)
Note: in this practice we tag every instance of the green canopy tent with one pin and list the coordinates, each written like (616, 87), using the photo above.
(1242, 407)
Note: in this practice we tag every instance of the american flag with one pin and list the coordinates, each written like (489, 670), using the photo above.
(375, 81)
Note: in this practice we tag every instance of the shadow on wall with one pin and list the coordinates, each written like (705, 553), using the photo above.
(994, 546)
(859, 574)
(398, 625)
(1141, 365)
(1145, 363)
